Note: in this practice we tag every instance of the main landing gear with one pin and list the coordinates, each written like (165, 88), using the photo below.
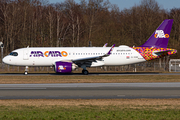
(26, 70)
(85, 72)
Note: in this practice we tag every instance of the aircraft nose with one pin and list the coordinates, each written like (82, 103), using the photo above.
(5, 60)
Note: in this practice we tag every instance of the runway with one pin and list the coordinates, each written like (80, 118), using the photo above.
(90, 91)
(90, 74)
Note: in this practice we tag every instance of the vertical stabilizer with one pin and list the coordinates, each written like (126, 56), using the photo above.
(160, 37)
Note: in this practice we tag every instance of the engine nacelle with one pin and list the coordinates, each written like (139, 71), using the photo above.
(64, 67)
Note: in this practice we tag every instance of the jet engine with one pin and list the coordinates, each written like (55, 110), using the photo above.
(64, 67)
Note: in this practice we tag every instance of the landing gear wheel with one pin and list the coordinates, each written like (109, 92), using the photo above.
(26, 70)
(85, 72)
(25, 73)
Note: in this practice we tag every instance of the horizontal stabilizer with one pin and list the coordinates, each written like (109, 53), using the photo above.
(158, 53)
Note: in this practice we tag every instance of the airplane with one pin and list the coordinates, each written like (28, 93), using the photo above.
(67, 59)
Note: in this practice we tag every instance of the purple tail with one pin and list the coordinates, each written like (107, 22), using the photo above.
(160, 37)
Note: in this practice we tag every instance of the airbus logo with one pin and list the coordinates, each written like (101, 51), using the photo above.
(160, 34)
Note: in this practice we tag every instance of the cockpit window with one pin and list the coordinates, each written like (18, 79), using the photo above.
(14, 54)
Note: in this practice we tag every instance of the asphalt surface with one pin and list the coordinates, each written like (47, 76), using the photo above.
(97, 73)
(90, 91)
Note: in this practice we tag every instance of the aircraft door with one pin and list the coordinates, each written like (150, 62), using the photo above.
(25, 55)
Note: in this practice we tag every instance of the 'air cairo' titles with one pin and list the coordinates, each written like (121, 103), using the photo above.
(48, 54)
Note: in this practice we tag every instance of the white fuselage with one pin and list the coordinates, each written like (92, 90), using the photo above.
(121, 55)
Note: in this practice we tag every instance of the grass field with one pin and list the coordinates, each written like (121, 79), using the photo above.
(136, 109)
(89, 79)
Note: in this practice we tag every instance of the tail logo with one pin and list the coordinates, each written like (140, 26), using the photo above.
(160, 34)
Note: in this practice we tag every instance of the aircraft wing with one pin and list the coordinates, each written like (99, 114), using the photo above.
(91, 59)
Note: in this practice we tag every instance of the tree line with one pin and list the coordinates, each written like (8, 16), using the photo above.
(36, 23)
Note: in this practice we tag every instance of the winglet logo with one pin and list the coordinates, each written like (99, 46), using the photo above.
(160, 34)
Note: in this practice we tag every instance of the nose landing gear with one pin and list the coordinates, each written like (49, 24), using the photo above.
(26, 70)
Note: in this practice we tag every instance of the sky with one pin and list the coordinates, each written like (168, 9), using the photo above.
(122, 4)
